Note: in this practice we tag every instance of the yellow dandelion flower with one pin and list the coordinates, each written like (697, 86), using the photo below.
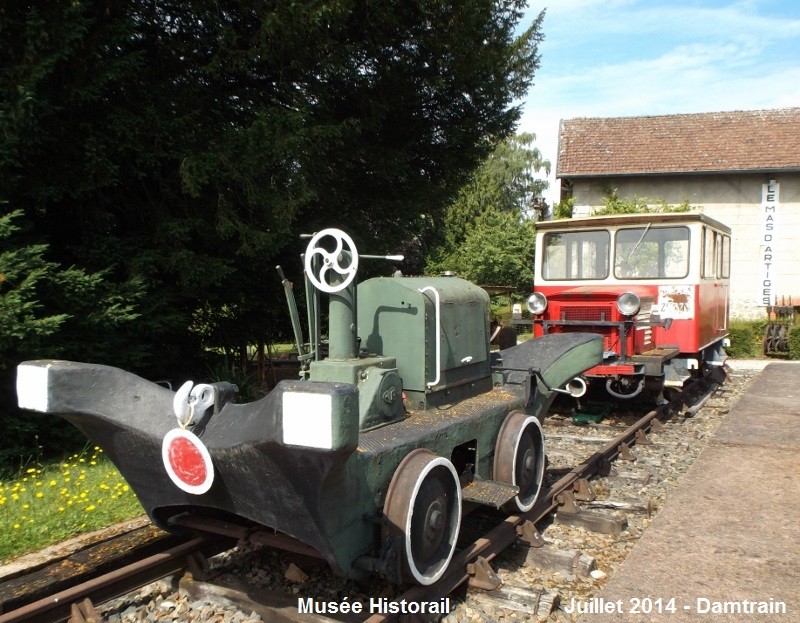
(90, 508)
(2, 501)
(61, 509)
(82, 477)
(14, 496)
(26, 506)
(31, 470)
(39, 494)
(16, 526)
(125, 488)
(92, 462)
(52, 483)
(67, 479)
(69, 502)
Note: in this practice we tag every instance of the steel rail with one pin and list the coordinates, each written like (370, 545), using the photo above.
(56, 607)
(505, 534)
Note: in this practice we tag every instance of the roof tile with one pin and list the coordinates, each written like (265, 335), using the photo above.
(755, 140)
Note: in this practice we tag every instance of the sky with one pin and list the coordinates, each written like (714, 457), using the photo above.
(618, 58)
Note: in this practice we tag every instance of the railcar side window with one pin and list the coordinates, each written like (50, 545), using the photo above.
(576, 255)
(651, 253)
(709, 255)
(726, 257)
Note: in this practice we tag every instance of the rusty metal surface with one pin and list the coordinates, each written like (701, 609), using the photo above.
(57, 606)
(489, 493)
(256, 536)
(82, 565)
(506, 533)
(481, 575)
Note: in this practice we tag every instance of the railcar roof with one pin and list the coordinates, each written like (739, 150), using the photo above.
(616, 220)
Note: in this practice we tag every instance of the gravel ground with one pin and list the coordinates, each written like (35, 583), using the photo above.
(660, 466)
(646, 481)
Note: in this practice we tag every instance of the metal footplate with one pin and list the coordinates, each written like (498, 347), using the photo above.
(489, 493)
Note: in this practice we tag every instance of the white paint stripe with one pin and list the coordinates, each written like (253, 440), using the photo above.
(308, 420)
(33, 390)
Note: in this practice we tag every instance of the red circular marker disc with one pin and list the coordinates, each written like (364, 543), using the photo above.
(187, 461)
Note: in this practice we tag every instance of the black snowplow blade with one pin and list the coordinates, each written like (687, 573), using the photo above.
(547, 362)
(257, 476)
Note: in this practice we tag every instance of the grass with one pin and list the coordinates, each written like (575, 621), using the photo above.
(47, 504)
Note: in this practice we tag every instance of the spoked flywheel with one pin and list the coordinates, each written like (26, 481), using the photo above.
(519, 459)
(423, 509)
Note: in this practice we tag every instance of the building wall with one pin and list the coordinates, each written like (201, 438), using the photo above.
(765, 230)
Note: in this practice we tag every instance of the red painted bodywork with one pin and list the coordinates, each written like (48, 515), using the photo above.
(584, 286)
(591, 303)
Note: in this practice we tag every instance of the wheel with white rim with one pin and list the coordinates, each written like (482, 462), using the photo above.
(519, 459)
(423, 509)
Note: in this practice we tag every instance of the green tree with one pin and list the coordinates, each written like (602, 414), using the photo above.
(502, 193)
(498, 250)
(185, 145)
(47, 311)
(23, 273)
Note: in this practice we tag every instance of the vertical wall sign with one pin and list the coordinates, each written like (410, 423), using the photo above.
(770, 201)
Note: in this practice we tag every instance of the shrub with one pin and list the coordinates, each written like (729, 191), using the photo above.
(794, 342)
(746, 337)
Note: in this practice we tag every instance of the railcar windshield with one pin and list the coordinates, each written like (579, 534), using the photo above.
(576, 255)
(651, 253)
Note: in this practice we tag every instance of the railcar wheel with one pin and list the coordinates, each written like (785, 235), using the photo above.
(519, 459)
(423, 508)
(625, 387)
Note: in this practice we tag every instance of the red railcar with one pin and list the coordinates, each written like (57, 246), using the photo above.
(654, 285)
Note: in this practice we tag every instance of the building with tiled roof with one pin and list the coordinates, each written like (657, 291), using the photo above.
(763, 141)
(722, 163)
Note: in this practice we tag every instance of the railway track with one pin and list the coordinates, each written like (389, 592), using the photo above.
(538, 556)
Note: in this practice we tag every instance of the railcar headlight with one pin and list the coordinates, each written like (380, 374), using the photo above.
(628, 303)
(537, 303)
